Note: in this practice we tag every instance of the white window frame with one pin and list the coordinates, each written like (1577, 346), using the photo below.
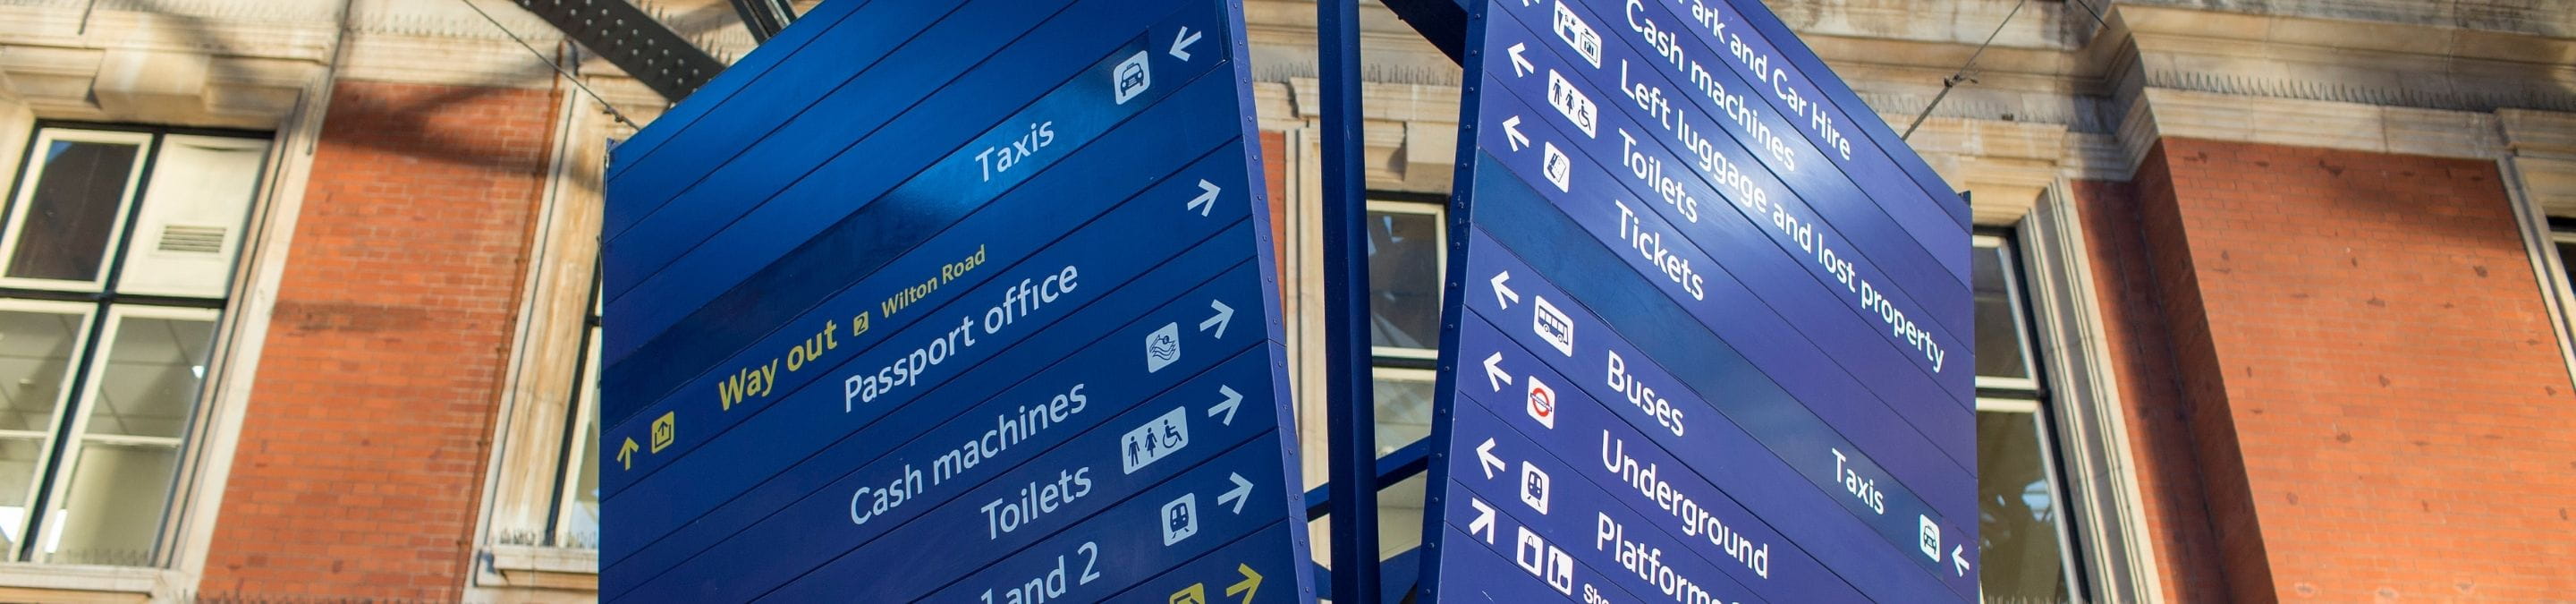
(45, 438)
(45, 136)
(71, 439)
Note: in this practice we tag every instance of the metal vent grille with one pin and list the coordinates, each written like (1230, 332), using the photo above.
(191, 239)
(632, 40)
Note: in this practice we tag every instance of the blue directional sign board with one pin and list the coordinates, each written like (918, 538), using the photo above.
(1707, 321)
(960, 301)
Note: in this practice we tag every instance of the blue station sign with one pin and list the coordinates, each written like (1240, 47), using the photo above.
(952, 301)
(1708, 324)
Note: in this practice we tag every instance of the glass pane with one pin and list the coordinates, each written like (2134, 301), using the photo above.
(1404, 279)
(17, 475)
(2567, 258)
(70, 214)
(1403, 408)
(581, 501)
(2017, 512)
(149, 383)
(1999, 342)
(35, 351)
(111, 513)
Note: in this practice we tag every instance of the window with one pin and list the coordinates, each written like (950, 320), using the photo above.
(575, 508)
(2022, 526)
(116, 254)
(1406, 249)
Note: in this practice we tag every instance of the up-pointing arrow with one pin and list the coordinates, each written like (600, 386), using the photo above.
(1207, 197)
(1520, 63)
(1232, 401)
(1241, 488)
(1224, 316)
(626, 454)
(1485, 457)
(1512, 133)
(1494, 374)
(1484, 522)
(1182, 42)
(1503, 294)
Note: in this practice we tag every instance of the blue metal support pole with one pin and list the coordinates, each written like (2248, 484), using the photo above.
(1350, 410)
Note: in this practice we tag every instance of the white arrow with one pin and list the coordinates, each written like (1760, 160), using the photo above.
(1232, 400)
(1503, 294)
(1519, 63)
(1206, 199)
(1494, 374)
(1512, 133)
(1181, 43)
(1959, 562)
(1485, 456)
(1224, 316)
(1484, 522)
(1241, 488)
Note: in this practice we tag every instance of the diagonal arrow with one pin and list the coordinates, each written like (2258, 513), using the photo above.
(1232, 401)
(1206, 199)
(1512, 133)
(1485, 457)
(1959, 562)
(1494, 373)
(1520, 63)
(1224, 316)
(1182, 42)
(1251, 583)
(1503, 294)
(1484, 522)
(1241, 489)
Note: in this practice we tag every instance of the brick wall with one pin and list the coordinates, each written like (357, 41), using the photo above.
(2374, 398)
(2163, 460)
(359, 470)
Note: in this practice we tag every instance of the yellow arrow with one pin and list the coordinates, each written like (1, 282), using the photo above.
(1250, 584)
(626, 454)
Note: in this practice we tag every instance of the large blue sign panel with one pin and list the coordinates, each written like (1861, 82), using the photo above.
(1707, 327)
(952, 301)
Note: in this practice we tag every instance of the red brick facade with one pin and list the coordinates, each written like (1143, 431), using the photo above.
(2342, 380)
(362, 458)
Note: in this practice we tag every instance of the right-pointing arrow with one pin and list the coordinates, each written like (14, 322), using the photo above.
(1206, 199)
(1494, 374)
(1484, 522)
(1485, 457)
(1512, 133)
(1241, 489)
(1224, 316)
(1503, 294)
(1233, 400)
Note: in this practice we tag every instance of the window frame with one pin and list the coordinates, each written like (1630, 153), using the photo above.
(1437, 208)
(1998, 394)
(105, 306)
(147, 150)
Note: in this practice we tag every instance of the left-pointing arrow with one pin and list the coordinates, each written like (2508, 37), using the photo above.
(1494, 374)
(1958, 559)
(1521, 64)
(1503, 294)
(1512, 133)
(1485, 457)
(1181, 43)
